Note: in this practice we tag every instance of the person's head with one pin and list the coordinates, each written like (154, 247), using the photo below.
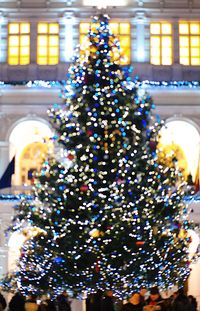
(135, 299)
(109, 293)
(32, 297)
(143, 291)
(64, 293)
(154, 293)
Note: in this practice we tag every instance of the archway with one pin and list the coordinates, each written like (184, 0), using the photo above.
(30, 142)
(183, 138)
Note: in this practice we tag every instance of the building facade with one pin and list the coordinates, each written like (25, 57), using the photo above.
(159, 39)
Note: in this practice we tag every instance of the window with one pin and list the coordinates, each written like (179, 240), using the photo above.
(18, 43)
(161, 43)
(121, 30)
(189, 43)
(48, 44)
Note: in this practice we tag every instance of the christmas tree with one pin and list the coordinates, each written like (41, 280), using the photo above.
(106, 213)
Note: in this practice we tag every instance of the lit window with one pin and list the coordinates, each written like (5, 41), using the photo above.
(121, 30)
(48, 44)
(161, 43)
(18, 43)
(189, 43)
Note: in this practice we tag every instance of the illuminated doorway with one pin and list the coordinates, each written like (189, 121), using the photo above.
(29, 141)
(183, 138)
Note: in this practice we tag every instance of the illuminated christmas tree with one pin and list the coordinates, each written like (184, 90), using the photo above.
(106, 214)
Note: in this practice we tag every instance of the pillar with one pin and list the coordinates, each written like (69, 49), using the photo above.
(4, 156)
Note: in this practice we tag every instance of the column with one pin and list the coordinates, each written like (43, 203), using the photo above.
(138, 40)
(67, 36)
(4, 156)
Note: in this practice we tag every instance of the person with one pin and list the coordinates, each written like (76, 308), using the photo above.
(107, 303)
(47, 304)
(134, 303)
(143, 295)
(181, 301)
(155, 301)
(93, 302)
(63, 303)
(193, 302)
(17, 302)
(31, 304)
(3, 303)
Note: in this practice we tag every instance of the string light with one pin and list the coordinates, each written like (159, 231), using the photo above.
(111, 216)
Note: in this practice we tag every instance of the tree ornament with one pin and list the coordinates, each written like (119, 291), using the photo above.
(95, 233)
(97, 267)
(84, 188)
(139, 243)
(153, 145)
(70, 156)
(89, 133)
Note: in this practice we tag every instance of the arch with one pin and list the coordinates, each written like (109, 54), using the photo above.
(185, 119)
(28, 133)
(29, 117)
(184, 133)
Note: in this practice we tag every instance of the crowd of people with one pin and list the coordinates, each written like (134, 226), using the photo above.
(142, 300)
(32, 303)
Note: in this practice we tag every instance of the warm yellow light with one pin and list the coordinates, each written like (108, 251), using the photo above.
(155, 28)
(166, 42)
(155, 61)
(184, 52)
(194, 28)
(161, 43)
(18, 43)
(195, 52)
(53, 52)
(121, 30)
(184, 28)
(155, 42)
(95, 233)
(167, 60)
(13, 41)
(13, 60)
(166, 28)
(114, 27)
(24, 51)
(13, 51)
(24, 40)
(24, 28)
(42, 60)
(124, 28)
(13, 28)
(42, 40)
(53, 41)
(48, 44)
(53, 28)
(53, 60)
(191, 41)
(43, 28)
(195, 61)
(155, 52)
(195, 41)
(125, 41)
(84, 27)
(184, 60)
(184, 41)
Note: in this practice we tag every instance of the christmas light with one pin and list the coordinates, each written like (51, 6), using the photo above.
(112, 215)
